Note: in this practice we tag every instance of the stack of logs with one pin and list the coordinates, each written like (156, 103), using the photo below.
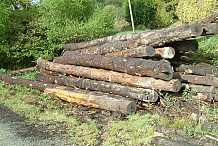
(113, 72)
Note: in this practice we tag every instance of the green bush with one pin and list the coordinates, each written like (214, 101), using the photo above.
(193, 10)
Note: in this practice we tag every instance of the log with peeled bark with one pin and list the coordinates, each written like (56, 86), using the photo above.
(133, 66)
(205, 97)
(200, 88)
(184, 46)
(210, 29)
(83, 97)
(173, 85)
(199, 69)
(165, 52)
(146, 95)
(105, 48)
(168, 35)
(141, 51)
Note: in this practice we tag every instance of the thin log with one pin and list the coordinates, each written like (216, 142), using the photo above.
(200, 80)
(168, 142)
(168, 35)
(105, 48)
(200, 88)
(165, 52)
(111, 76)
(200, 69)
(88, 98)
(133, 66)
(184, 46)
(142, 51)
(210, 29)
(205, 97)
(21, 71)
(146, 95)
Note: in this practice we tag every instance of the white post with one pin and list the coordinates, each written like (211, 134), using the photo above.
(130, 10)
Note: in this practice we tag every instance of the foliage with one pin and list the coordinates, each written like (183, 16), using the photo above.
(188, 10)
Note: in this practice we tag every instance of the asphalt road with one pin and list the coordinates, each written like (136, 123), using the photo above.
(15, 132)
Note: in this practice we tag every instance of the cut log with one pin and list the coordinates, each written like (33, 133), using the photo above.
(200, 69)
(21, 71)
(168, 142)
(88, 98)
(100, 41)
(184, 46)
(168, 35)
(146, 95)
(200, 88)
(133, 66)
(210, 28)
(165, 52)
(200, 80)
(213, 18)
(111, 76)
(105, 48)
(205, 97)
(142, 51)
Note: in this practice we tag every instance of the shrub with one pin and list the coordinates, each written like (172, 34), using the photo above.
(193, 10)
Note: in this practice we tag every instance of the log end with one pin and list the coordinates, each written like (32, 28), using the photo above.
(177, 85)
(130, 108)
(169, 52)
(153, 96)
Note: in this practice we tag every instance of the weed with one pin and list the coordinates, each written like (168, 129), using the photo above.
(186, 94)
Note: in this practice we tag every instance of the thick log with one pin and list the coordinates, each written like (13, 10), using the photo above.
(146, 95)
(184, 46)
(100, 41)
(21, 71)
(168, 35)
(88, 98)
(133, 66)
(168, 142)
(165, 52)
(105, 48)
(200, 80)
(200, 88)
(111, 76)
(142, 51)
(210, 28)
(205, 97)
(200, 69)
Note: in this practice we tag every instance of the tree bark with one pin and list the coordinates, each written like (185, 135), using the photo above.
(88, 98)
(105, 48)
(142, 51)
(141, 67)
(184, 46)
(111, 76)
(200, 80)
(165, 52)
(210, 28)
(200, 88)
(213, 18)
(21, 71)
(146, 95)
(205, 97)
(199, 69)
(168, 35)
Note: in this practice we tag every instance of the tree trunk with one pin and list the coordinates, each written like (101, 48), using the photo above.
(210, 29)
(111, 76)
(200, 88)
(88, 98)
(105, 48)
(165, 52)
(168, 35)
(146, 95)
(142, 51)
(213, 18)
(21, 71)
(184, 46)
(168, 142)
(141, 67)
(205, 97)
(200, 69)
(200, 80)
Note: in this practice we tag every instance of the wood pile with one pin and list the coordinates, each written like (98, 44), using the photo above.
(113, 72)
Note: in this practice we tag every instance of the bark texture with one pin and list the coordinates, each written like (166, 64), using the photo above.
(141, 67)
(111, 76)
(88, 98)
(200, 88)
(147, 95)
(21, 71)
(205, 97)
(142, 51)
(210, 29)
(165, 52)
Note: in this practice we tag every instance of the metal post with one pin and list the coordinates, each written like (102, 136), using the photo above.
(130, 10)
